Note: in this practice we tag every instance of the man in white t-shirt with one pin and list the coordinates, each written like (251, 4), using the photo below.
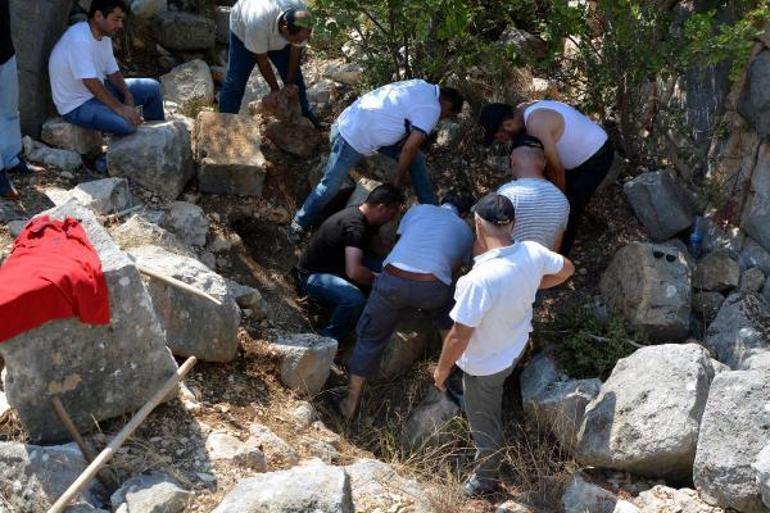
(261, 32)
(492, 321)
(417, 275)
(578, 151)
(542, 210)
(393, 120)
(88, 88)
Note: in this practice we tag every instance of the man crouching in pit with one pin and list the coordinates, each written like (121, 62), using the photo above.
(417, 274)
(492, 321)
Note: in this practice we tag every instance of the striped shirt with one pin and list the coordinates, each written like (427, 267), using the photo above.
(542, 210)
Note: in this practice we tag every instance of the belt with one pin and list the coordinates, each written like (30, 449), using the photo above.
(406, 275)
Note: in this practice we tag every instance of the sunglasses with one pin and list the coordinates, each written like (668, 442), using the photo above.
(659, 254)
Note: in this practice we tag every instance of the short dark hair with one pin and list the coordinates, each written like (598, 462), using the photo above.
(453, 96)
(386, 194)
(106, 7)
(462, 200)
(293, 25)
(492, 116)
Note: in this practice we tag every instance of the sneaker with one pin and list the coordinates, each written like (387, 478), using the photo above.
(295, 233)
(7, 190)
(475, 487)
(22, 168)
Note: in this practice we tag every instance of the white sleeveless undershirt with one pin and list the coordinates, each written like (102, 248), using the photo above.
(581, 138)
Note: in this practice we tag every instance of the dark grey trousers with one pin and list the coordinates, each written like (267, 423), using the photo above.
(483, 407)
(391, 299)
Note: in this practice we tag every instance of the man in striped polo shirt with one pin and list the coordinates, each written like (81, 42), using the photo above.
(542, 210)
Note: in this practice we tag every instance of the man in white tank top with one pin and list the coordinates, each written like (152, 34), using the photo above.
(578, 151)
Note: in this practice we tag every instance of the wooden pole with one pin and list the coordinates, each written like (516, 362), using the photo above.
(88, 455)
(177, 284)
(121, 438)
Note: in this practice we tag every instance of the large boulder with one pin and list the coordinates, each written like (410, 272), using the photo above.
(661, 499)
(98, 372)
(227, 151)
(376, 486)
(36, 25)
(157, 157)
(408, 344)
(63, 160)
(754, 104)
(138, 232)
(427, 425)
(762, 468)
(188, 221)
(195, 326)
(151, 493)
(316, 488)
(189, 82)
(299, 138)
(717, 271)
(182, 31)
(647, 415)
(756, 215)
(660, 203)
(734, 429)
(306, 360)
(64, 135)
(33, 477)
(740, 334)
(551, 398)
(649, 284)
(105, 196)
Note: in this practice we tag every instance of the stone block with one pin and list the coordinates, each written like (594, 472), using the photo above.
(195, 326)
(183, 31)
(754, 103)
(650, 285)
(63, 160)
(103, 197)
(660, 203)
(299, 138)
(306, 360)
(733, 432)
(717, 271)
(408, 344)
(227, 150)
(188, 222)
(582, 496)
(157, 157)
(138, 232)
(428, 424)
(762, 468)
(187, 83)
(740, 333)
(647, 415)
(154, 493)
(64, 135)
(344, 73)
(277, 451)
(376, 486)
(752, 281)
(756, 214)
(98, 372)
(225, 447)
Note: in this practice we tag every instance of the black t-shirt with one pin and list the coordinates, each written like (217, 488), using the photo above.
(326, 251)
(6, 44)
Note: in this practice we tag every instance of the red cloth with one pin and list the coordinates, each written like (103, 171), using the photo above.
(53, 273)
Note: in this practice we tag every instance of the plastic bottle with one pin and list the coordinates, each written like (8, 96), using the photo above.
(696, 237)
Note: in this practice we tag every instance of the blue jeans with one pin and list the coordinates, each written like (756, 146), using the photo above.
(241, 63)
(10, 128)
(342, 159)
(95, 115)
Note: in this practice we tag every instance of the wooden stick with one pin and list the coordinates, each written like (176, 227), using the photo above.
(177, 283)
(88, 455)
(118, 215)
(121, 437)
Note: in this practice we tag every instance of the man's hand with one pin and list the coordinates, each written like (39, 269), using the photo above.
(440, 376)
(129, 114)
(292, 91)
(401, 180)
(128, 99)
(271, 99)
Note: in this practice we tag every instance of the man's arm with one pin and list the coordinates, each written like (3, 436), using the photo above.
(267, 72)
(455, 344)
(295, 55)
(117, 80)
(100, 92)
(355, 268)
(406, 157)
(557, 243)
(540, 125)
(552, 280)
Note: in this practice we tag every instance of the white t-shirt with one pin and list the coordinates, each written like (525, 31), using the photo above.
(542, 210)
(434, 240)
(385, 116)
(76, 56)
(495, 298)
(255, 22)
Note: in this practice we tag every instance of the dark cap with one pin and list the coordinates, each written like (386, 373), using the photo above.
(462, 200)
(527, 140)
(491, 117)
(494, 208)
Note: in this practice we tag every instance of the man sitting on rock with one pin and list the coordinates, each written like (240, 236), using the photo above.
(88, 88)
(492, 321)
(417, 275)
(578, 151)
(261, 32)
(541, 208)
(333, 269)
(10, 127)
(393, 120)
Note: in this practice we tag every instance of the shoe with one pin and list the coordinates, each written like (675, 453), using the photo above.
(295, 233)
(22, 168)
(475, 487)
(7, 189)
